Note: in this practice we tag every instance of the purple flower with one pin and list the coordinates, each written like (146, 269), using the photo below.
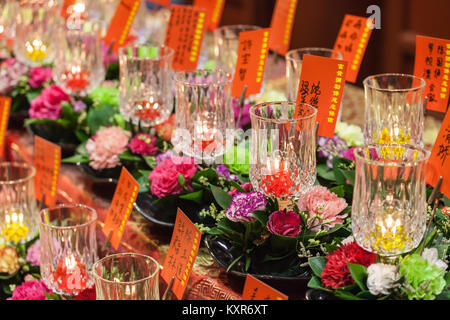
(224, 171)
(79, 106)
(245, 117)
(348, 154)
(30, 290)
(34, 253)
(243, 204)
(330, 148)
(163, 156)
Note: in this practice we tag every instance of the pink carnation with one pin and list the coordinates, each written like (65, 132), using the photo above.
(105, 147)
(247, 186)
(48, 104)
(323, 207)
(143, 143)
(30, 290)
(164, 177)
(39, 75)
(34, 253)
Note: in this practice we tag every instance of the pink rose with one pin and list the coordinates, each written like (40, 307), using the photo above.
(143, 143)
(164, 177)
(42, 109)
(323, 207)
(30, 290)
(54, 94)
(105, 147)
(39, 75)
(284, 223)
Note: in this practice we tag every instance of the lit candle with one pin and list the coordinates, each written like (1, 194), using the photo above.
(70, 275)
(206, 131)
(277, 180)
(76, 78)
(389, 234)
(147, 109)
(36, 50)
(14, 229)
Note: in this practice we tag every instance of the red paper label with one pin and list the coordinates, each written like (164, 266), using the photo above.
(65, 6)
(251, 61)
(121, 207)
(182, 253)
(164, 3)
(321, 85)
(121, 23)
(255, 289)
(433, 64)
(352, 43)
(214, 9)
(439, 161)
(47, 161)
(5, 106)
(185, 35)
(281, 25)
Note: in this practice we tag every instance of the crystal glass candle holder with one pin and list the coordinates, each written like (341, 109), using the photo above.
(204, 113)
(394, 109)
(145, 93)
(68, 247)
(226, 43)
(126, 276)
(78, 66)
(294, 60)
(37, 22)
(17, 203)
(7, 12)
(283, 149)
(389, 210)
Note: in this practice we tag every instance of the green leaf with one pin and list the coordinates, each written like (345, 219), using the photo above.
(315, 283)
(359, 274)
(324, 172)
(317, 265)
(78, 158)
(100, 117)
(366, 295)
(181, 180)
(127, 155)
(222, 198)
(193, 196)
(31, 95)
(447, 201)
(339, 191)
(261, 216)
(209, 174)
(346, 295)
(237, 186)
(150, 161)
(81, 136)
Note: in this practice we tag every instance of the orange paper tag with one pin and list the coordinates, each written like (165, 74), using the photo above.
(255, 289)
(121, 23)
(251, 61)
(121, 207)
(182, 253)
(185, 35)
(47, 161)
(214, 9)
(5, 106)
(164, 3)
(352, 42)
(281, 25)
(439, 161)
(321, 85)
(433, 64)
(65, 6)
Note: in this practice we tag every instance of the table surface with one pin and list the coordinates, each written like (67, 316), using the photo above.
(208, 281)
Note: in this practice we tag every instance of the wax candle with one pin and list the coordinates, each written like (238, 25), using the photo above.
(76, 78)
(389, 233)
(36, 50)
(14, 229)
(70, 275)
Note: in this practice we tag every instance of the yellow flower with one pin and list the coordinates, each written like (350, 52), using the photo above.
(9, 261)
(15, 232)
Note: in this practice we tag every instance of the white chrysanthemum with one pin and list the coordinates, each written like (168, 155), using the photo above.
(431, 254)
(351, 133)
(381, 278)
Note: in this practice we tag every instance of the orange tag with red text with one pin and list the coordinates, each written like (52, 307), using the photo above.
(255, 289)
(321, 85)
(352, 42)
(213, 9)
(121, 23)
(5, 107)
(281, 25)
(432, 63)
(182, 253)
(65, 6)
(251, 61)
(185, 35)
(121, 206)
(164, 3)
(47, 162)
(439, 161)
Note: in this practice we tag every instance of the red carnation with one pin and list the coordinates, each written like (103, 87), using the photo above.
(87, 294)
(336, 273)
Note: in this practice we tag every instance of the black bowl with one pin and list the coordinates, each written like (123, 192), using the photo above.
(104, 181)
(64, 138)
(295, 287)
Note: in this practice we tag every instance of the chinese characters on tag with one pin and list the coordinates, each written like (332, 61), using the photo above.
(182, 252)
(352, 41)
(213, 9)
(281, 25)
(255, 289)
(432, 63)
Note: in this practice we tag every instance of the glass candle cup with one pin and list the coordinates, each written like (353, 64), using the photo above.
(394, 109)
(294, 59)
(37, 22)
(226, 43)
(78, 66)
(7, 11)
(283, 149)
(389, 210)
(126, 276)
(204, 113)
(145, 93)
(17, 203)
(68, 247)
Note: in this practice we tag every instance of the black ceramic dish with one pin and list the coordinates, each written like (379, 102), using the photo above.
(66, 139)
(295, 286)
(104, 181)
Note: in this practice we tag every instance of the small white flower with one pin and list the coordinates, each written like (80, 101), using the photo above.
(431, 254)
(381, 278)
(351, 133)
(347, 240)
